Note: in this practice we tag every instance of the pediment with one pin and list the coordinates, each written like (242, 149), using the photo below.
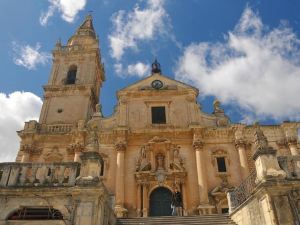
(167, 84)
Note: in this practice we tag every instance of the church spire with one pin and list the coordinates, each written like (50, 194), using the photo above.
(86, 28)
(85, 34)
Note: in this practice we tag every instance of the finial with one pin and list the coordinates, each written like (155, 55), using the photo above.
(58, 44)
(156, 67)
(217, 106)
(260, 139)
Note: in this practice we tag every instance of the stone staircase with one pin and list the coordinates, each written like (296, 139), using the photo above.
(213, 219)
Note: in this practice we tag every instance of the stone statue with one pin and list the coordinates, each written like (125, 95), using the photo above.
(177, 163)
(98, 110)
(260, 139)
(160, 161)
(219, 192)
(217, 106)
(92, 141)
(143, 163)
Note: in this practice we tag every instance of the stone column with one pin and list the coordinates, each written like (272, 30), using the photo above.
(26, 149)
(77, 156)
(25, 157)
(119, 208)
(204, 207)
(138, 200)
(145, 200)
(241, 148)
(292, 143)
(78, 149)
(183, 191)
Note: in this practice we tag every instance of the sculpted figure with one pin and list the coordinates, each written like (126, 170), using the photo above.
(260, 139)
(217, 107)
(143, 163)
(221, 189)
(160, 162)
(177, 163)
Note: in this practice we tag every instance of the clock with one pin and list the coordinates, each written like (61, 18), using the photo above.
(157, 84)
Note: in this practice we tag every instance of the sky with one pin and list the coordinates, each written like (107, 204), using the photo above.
(244, 53)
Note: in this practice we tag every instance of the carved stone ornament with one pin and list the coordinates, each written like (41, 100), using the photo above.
(160, 177)
(291, 140)
(177, 162)
(143, 162)
(98, 111)
(92, 141)
(219, 192)
(217, 106)
(76, 147)
(198, 144)
(31, 149)
(160, 161)
(54, 155)
(261, 144)
(120, 146)
(260, 139)
(240, 143)
(157, 139)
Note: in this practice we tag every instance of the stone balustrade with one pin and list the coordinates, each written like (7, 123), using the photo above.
(58, 128)
(291, 165)
(38, 174)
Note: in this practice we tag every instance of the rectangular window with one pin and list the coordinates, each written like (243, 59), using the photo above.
(158, 115)
(225, 210)
(221, 164)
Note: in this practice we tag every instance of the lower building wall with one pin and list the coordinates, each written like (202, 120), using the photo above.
(269, 206)
(33, 222)
(77, 205)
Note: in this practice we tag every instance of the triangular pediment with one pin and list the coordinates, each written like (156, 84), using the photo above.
(167, 84)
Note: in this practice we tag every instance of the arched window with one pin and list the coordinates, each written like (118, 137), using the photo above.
(71, 77)
(36, 213)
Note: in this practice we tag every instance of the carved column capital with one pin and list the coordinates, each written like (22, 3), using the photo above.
(240, 143)
(198, 145)
(291, 140)
(282, 143)
(75, 148)
(30, 149)
(121, 146)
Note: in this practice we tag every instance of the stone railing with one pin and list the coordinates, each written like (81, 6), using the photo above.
(241, 193)
(291, 165)
(38, 174)
(57, 128)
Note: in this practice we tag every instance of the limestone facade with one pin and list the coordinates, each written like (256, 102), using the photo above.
(132, 154)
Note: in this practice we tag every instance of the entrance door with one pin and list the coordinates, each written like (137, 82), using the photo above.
(160, 202)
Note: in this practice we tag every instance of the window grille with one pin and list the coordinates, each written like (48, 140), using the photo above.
(36, 213)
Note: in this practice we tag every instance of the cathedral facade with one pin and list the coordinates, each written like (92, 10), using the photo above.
(76, 163)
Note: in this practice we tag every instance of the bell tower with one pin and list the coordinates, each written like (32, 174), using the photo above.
(77, 75)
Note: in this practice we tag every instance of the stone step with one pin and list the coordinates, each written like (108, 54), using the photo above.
(177, 220)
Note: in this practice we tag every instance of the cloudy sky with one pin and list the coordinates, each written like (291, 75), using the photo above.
(245, 53)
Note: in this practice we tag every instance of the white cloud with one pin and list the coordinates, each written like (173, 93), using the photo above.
(28, 56)
(16, 108)
(68, 9)
(138, 69)
(137, 25)
(255, 69)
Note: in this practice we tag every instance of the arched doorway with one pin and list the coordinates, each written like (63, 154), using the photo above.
(160, 202)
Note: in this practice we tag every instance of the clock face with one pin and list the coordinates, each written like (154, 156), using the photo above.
(157, 84)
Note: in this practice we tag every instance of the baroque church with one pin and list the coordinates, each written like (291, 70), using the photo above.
(75, 166)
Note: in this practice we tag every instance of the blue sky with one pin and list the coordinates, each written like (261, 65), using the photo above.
(245, 53)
